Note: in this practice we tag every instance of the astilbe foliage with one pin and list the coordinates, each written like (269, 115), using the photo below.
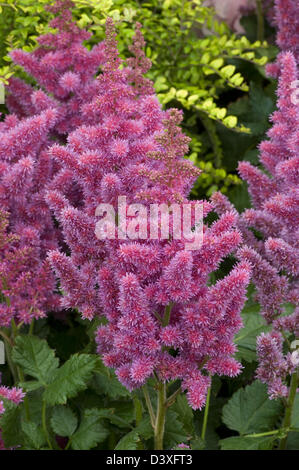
(274, 254)
(162, 314)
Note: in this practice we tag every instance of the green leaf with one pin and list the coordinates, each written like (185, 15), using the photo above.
(250, 411)
(185, 413)
(145, 429)
(228, 71)
(106, 383)
(128, 442)
(254, 324)
(70, 379)
(174, 430)
(35, 357)
(34, 436)
(91, 431)
(182, 93)
(295, 414)
(10, 424)
(63, 421)
(247, 443)
(230, 121)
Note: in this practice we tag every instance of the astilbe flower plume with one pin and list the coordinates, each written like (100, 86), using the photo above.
(62, 67)
(25, 169)
(26, 283)
(287, 22)
(65, 74)
(163, 316)
(274, 254)
(14, 395)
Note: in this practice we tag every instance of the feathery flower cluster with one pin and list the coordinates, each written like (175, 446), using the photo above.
(64, 70)
(270, 229)
(162, 314)
(65, 73)
(13, 394)
(287, 22)
(26, 282)
(275, 216)
(25, 169)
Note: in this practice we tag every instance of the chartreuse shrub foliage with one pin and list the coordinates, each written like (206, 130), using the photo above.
(195, 60)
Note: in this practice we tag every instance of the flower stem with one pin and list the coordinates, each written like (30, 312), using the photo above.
(149, 406)
(260, 21)
(171, 400)
(44, 424)
(206, 414)
(160, 418)
(262, 434)
(289, 409)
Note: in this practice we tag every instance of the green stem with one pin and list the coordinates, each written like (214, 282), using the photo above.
(262, 434)
(260, 21)
(206, 414)
(170, 400)
(31, 328)
(167, 313)
(289, 409)
(160, 418)
(26, 402)
(14, 328)
(44, 424)
(149, 406)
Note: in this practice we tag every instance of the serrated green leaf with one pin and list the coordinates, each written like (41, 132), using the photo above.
(63, 421)
(91, 431)
(105, 384)
(174, 430)
(34, 436)
(70, 379)
(35, 357)
(250, 411)
(185, 413)
(254, 324)
(128, 442)
(247, 443)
